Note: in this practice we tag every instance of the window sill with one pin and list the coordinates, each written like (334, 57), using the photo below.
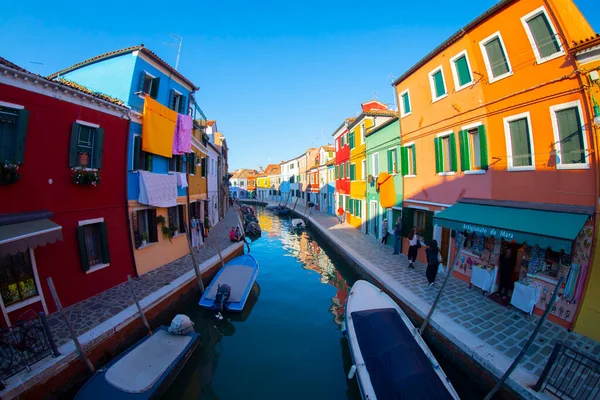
(468, 85)
(146, 245)
(499, 77)
(410, 176)
(439, 98)
(572, 166)
(405, 115)
(448, 173)
(85, 169)
(96, 268)
(549, 58)
(517, 169)
(475, 172)
(23, 303)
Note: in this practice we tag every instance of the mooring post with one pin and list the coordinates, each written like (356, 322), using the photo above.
(194, 262)
(220, 256)
(294, 209)
(137, 303)
(439, 295)
(529, 342)
(69, 327)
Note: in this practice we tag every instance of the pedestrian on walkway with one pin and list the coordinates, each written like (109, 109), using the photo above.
(413, 250)
(397, 235)
(434, 258)
(507, 265)
(341, 214)
(384, 231)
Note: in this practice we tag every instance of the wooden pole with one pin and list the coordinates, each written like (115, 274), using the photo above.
(439, 295)
(137, 303)
(69, 327)
(220, 256)
(529, 342)
(189, 239)
(294, 209)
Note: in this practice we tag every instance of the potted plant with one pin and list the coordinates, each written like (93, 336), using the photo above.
(81, 176)
(144, 238)
(9, 173)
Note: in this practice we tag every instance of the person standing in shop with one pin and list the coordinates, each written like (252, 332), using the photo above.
(507, 264)
(397, 235)
(434, 258)
(384, 231)
(413, 250)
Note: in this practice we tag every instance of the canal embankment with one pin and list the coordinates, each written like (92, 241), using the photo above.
(477, 334)
(108, 323)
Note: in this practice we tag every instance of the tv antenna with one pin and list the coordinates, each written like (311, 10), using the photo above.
(38, 63)
(178, 48)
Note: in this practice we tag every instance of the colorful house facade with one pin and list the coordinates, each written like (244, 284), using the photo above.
(342, 164)
(57, 139)
(273, 172)
(494, 120)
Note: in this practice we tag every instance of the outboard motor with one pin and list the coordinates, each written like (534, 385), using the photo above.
(223, 293)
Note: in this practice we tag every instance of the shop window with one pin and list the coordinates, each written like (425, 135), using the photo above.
(495, 58)
(569, 136)
(93, 245)
(445, 153)
(473, 149)
(142, 160)
(375, 164)
(17, 280)
(542, 35)
(409, 161)
(13, 129)
(392, 161)
(87, 142)
(461, 71)
(149, 84)
(519, 142)
(405, 108)
(438, 86)
(144, 227)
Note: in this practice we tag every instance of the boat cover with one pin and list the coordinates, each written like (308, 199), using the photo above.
(397, 366)
(236, 276)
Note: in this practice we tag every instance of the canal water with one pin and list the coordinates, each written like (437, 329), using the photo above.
(287, 344)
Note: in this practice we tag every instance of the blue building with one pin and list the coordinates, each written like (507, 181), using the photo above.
(128, 75)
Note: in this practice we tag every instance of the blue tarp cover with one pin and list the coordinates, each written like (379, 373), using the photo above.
(396, 363)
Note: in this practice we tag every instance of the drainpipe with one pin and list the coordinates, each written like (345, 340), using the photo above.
(127, 216)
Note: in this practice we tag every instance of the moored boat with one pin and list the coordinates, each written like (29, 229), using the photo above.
(391, 360)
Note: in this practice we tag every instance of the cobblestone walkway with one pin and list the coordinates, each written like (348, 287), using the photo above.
(504, 329)
(93, 311)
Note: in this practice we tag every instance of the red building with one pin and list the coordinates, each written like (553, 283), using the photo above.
(57, 219)
(342, 162)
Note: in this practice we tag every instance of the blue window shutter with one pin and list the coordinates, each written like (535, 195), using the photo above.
(83, 258)
(182, 105)
(98, 148)
(73, 146)
(142, 80)
(137, 148)
(172, 99)
(155, 84)
(22, 121)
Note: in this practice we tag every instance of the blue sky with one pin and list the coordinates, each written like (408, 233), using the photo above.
(278, 77)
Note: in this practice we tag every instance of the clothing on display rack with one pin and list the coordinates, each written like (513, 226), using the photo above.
(197, 239)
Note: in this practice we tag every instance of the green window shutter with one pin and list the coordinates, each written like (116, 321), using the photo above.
(182, 105)
(203, 167)
(438, 80)
(155, 84)
(520, 145)
(347, 203)
(152, 228)
(428, 233)
(336, 172)
(83, 257)
(172, 99)
(104, 243)
(352, 206)
(390, 165)
(544, 38)
(439, 167)
(497, 57)
(351, 140)
(148, 159)
(463, 71)
(137, 238)
(352, 172)
(404, 160)
(142, 81)
(98, 148)
(406, 103)
(463, 142)
(342, 170)
(22, 121)
(483, 150)
(572, 149)
(137, 148)
(408, 220)
(73, 146)
(453, 152)
(414, 149)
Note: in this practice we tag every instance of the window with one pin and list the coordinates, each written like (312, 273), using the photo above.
(473, 148)
(420, 218)
(392, 161)
(542, 35)
(203, 167)
(408, 159)
(358, 208)
(241, 183)
(176, 163)
(342, 140)
(87, 142)
(569, 136)
(93, 245)
(364, 170)
(342, 171)
(177, 102)
(347, 208)
(347, 169)
(144, 227)
(141, 160)
(519, 142)
(17, 280)
(351, 138)
(445, 153)
(375, 164)
(461, 71)
(362, 133)
(438, 86)
(352, 172)
(405, 104)
(176, 221)
(149, 84)
(351, 209)
(13, 129)
(495, 58)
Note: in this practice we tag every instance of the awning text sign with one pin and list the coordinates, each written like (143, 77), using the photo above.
(486, 231)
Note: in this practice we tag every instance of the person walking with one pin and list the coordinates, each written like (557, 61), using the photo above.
(397, 235)
(413, 250)
(384, 231)
(434, 258)
(341, 214)
(507, 264)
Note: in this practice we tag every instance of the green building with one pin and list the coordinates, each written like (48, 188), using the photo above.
(383, 163)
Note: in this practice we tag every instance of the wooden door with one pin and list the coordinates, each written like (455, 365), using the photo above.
(445, 245)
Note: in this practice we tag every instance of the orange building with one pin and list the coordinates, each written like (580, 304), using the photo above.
(495, 124)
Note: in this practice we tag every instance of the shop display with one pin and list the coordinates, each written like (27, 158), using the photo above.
(526, 294)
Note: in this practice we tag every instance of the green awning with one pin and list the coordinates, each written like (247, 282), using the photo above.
(19, 237)
(556, 230)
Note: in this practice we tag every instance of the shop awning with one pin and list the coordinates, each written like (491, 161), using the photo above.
(553, 229)
(15, 238)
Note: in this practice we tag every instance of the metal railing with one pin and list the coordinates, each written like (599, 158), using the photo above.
(23, 344)
(570, 374)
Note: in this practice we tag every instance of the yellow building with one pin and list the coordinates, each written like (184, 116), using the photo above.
(373, 114)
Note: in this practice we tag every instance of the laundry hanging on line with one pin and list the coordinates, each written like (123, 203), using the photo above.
(182, 139)
(158, 128)
(158, 190)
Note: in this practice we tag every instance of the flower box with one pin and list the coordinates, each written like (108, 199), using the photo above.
(81, 176)
(9, 173)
